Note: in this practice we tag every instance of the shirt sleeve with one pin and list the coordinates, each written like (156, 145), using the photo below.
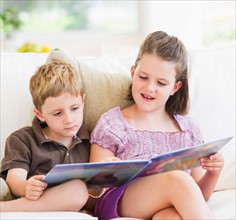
(17, 154)
(108, 133)
(196, 133)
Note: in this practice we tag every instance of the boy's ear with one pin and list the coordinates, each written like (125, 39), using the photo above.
(39, 115)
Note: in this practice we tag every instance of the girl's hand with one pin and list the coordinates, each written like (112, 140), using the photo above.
(34, 187)
(214, 163)
(109, 159)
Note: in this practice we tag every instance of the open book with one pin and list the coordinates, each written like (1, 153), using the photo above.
(115, 173)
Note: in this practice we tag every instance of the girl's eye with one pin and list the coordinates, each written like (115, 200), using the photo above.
(161, 83)
(142, 77)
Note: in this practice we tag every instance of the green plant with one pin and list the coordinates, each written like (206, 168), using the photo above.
(10, 20)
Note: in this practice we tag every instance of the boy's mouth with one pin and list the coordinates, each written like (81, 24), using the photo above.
(71, 128)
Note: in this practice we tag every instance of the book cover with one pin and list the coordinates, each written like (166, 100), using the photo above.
(115, 173)
(96, 175)
(183, 159)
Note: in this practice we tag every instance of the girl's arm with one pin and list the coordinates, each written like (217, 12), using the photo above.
(99, 153)
(32, 188)
(213, 166)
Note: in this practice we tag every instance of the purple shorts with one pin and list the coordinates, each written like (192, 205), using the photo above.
(106, 206)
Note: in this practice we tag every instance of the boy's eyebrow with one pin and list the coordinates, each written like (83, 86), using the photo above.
(71, 106)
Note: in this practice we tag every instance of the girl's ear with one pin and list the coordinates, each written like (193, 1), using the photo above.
(83, 98)
(132, 69)
(177, 86)
(39, 115)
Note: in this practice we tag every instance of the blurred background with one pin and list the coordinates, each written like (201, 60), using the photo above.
(112, 27)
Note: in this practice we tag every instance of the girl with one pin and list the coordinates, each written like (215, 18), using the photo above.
(156, 123)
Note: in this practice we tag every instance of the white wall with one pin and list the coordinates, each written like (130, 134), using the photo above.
(180, 18)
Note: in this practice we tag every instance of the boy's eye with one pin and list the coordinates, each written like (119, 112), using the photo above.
(56, 113)
(75, 108)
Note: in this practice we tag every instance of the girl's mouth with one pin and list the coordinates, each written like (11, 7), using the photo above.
(147, 97)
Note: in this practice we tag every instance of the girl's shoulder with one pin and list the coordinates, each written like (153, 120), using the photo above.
(113, 116)
(186, 122)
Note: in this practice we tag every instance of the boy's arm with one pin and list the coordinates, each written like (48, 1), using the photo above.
(16, 180)
(20, 186)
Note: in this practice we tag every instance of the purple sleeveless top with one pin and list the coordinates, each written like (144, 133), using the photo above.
(114, 133)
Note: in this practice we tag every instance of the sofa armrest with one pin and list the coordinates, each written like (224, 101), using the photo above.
(5, 193)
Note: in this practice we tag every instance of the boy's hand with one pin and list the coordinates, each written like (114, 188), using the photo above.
(214, 163)
(34, 187)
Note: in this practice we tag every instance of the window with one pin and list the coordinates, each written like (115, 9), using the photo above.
(218, 23)
(119, 26)
(57, 16)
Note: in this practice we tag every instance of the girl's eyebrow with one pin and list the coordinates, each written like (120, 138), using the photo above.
(144, 72)
(164, 79)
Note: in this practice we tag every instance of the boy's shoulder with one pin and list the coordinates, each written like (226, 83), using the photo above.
(22, 131)
(28, 133)
(24, 134)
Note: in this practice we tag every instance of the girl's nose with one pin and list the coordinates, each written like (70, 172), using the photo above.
(151, 86)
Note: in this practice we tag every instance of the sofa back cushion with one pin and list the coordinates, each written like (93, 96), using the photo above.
(212, 95)
(103, 89)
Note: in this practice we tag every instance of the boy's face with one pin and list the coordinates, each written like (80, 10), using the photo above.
(63, 115)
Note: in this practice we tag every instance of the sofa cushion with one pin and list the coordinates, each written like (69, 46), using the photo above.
(212, 100)
(45, 215)
(227, 176)
(103, 90)
(110, 87)
(5, 194)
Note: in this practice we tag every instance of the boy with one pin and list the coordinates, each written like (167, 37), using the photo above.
(56, 136)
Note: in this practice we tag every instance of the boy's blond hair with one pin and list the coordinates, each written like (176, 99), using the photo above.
(53, 79)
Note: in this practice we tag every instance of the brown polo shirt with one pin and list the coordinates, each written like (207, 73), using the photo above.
(29, 149)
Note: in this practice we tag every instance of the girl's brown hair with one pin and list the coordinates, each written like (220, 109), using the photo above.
(169, 48)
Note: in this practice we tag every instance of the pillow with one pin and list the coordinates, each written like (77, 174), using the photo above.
(5, 194)
(103, 90)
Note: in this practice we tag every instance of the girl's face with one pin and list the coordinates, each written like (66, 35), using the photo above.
(153, 83)
(63, 115)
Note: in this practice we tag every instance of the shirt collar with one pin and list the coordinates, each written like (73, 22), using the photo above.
(37, 126)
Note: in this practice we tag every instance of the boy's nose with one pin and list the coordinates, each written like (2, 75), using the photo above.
(68, 118)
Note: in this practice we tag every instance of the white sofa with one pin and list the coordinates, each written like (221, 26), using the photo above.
(212, 84)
